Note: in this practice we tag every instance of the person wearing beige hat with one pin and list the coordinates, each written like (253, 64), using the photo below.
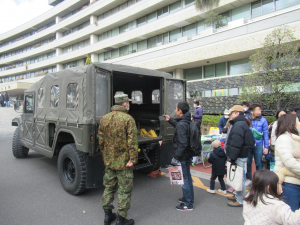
(217, 158)
(237, 146)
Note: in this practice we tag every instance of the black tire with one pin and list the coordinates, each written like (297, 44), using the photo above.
(154, 156)
(71, 166)
(19, 151)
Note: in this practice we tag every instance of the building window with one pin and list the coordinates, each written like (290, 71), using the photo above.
(142, 45)
(209, 72)
(175, 7)
(72, 96)
(115, 53)
(175, 34)
(41, 98)
(115, 32)
(189, 30)
(240, 66)
(188, 2)
(221, 69)
(162, 12)
(241, 12)
(54, 96)
(141, 21)
(233, 91)
(281, 4)
(219, 92)
(151, 42)
(193, 74)
(151, 17)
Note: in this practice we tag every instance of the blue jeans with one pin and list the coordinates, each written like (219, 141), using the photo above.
(187, 188)
(7, 103)
(291, 195)
(258, 153)
(241, 162)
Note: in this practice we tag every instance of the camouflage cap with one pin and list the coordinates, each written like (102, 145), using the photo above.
(120, 98)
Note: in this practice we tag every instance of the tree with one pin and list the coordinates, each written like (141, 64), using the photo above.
(275, 68)
(88, 60)
(213, 18)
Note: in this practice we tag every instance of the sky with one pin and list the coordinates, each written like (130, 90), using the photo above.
(14, 13)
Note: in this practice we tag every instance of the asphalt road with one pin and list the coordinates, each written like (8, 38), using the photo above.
(31, 193)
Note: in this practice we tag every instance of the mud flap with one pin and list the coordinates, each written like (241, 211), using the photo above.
(166, 154)
(95, 172)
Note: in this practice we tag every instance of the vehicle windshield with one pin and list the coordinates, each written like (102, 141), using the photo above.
(175, 95)
(102, 92)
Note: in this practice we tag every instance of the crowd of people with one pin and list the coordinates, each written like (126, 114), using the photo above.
(274, 197)
(247, 134)
(4, 99)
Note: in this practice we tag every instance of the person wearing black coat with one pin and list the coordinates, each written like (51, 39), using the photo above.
(180, 153)
(7, 99)
(217, 158)
(239, 141)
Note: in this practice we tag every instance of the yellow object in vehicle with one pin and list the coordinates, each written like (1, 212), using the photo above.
(143, 132)
(152, 134)
(139, 150)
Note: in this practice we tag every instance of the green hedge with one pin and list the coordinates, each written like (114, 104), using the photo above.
(213, 120)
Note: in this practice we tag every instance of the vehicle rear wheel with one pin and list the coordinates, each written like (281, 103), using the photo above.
(154, 156)
(71, 166)
(19, 151)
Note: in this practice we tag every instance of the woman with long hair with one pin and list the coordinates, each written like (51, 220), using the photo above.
(263, 204)
(288, 142)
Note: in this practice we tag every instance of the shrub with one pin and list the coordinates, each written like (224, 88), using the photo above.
(270, 119)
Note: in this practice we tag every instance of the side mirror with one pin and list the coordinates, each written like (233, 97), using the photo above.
(17, 107)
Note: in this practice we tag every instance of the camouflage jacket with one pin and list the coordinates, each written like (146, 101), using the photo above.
(118, 139)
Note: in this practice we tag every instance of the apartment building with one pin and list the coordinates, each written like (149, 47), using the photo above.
(166, 35)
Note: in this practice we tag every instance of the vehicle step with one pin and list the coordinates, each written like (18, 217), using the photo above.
(141, 166)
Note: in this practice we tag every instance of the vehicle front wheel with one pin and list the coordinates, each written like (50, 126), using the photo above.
(19, 151)
(71, 166)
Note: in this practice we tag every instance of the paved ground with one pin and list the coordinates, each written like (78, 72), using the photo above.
(6, 115)
(31, 193)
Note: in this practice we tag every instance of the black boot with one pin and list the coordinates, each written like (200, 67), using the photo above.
(109, 216)
(122, 221)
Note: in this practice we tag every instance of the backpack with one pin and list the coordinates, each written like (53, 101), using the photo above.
(195, 146)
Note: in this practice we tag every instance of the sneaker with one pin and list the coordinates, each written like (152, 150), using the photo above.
(230, 190)
(183, 207)
(181, 200)
(234, 204)
(224, 192)
(231, 198)
(210, 191)
(248, 183)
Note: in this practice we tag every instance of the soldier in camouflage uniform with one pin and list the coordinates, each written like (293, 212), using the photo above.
(119, 146)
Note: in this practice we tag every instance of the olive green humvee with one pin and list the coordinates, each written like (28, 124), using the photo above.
(61, 114)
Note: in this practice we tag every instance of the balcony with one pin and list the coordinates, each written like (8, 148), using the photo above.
(54, 2)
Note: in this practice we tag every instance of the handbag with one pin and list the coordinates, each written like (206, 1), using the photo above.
(176, 175)
(235, 176)
(257, 135)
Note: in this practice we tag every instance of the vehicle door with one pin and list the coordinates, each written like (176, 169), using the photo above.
(175, 91)
(102, 100)
(28, 119)
(40, 124)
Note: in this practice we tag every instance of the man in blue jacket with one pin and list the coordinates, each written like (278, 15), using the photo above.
(262, 144)
(223, 120)
(198, 113)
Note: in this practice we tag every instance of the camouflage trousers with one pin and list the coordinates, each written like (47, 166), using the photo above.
(111, 180)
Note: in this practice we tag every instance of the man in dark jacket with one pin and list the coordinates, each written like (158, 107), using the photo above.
(7, 99)
(223, 120)
(180, 152)
(198, 113)
(246, 105)
(239, 141)
(217, 158)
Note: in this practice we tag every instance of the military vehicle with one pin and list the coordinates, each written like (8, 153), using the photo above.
(62, 111)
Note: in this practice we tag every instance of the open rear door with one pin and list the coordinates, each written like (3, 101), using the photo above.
(175, 91)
